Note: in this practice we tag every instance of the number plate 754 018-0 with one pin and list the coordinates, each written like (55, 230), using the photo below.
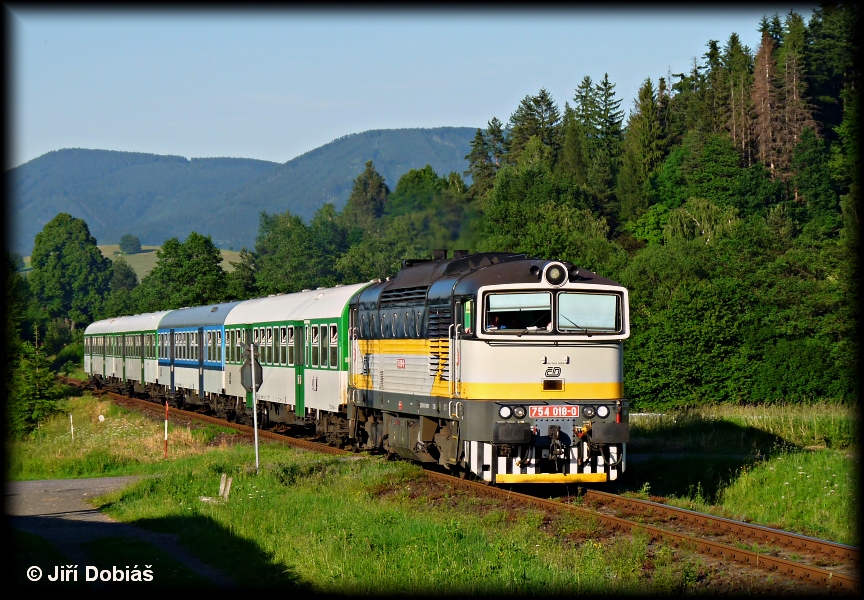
(541, 412)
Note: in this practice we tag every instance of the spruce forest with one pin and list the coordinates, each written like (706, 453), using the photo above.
(724, 198)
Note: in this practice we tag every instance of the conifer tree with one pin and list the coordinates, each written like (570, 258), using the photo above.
(642, 153)
(34, 393)
(535, 116)
(480, 165)
(365, 203)
(497, 143)
(609, 117)
(797, 112)
(738, 64)
(764, 97)
(573, 159)
(716, 96)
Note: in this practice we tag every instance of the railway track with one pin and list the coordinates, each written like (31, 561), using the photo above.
(803, 558)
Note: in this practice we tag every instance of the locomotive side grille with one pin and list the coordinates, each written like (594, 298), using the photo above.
(439, 323)
(439, 344)
(413, 295)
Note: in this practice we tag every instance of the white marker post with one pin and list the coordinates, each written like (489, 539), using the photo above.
(165, 455)
(71, 427)
(254, 403)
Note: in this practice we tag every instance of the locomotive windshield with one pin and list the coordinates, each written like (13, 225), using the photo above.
(587, 312)
(519, 311)
(533, 312)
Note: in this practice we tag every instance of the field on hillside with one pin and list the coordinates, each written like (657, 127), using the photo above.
(144, 261)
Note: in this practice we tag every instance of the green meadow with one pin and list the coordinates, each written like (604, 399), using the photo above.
(364, 525)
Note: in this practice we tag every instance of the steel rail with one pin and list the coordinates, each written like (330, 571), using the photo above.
(781, 566)
(761, 533)
(812, 574)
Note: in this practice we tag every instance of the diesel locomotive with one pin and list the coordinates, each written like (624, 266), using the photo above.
(496, 365)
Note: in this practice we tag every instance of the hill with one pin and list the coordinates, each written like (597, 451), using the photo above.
(156, 197)
(144, 261)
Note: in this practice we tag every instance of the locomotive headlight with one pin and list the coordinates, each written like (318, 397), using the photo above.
(555, 274)
(602, 411)
(505, 412)
(519, 412)
(588, 412)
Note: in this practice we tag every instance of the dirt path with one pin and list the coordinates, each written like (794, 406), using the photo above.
(57, 510)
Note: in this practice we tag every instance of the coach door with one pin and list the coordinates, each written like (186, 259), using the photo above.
(171, 356)
(141, 354)
(301, 331)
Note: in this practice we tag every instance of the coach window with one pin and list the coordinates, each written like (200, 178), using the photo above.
(277, 346)
(316, 340)
(291, 346)
(269, 345)
(334, 347)
(283, 345)
(324, 354)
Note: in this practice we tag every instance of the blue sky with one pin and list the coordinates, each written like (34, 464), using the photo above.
(272, 85)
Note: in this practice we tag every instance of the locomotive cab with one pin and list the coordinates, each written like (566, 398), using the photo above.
(507, 367)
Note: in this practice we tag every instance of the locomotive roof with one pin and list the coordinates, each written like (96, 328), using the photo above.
(198, 316)
(313, 304)
(467, 274)
(142, 322)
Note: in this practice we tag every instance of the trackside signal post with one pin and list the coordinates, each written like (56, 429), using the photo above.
(251, 375)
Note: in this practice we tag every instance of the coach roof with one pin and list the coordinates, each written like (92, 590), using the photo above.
(209, 315)
(143, 322)
(312, 304)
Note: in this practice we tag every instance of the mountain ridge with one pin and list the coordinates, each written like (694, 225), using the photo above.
(160, 196)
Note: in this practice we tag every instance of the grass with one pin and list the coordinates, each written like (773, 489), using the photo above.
(32, 550)
(811, 492)
(368, 526)
(130, 554)
(363, 525)
(347, 525)
(792, 467)
(123, 443)
(736, 429)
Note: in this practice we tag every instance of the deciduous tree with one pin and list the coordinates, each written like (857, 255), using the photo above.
(70, 276)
